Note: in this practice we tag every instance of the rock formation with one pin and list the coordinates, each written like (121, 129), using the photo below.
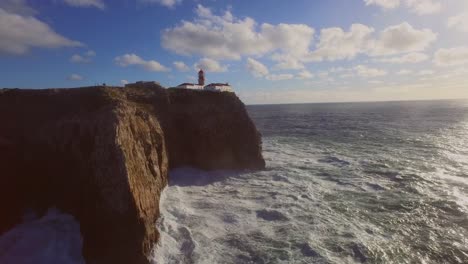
(103, 155)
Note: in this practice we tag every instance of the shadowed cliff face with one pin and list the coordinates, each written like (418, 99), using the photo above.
(102, 154)
(211, 130)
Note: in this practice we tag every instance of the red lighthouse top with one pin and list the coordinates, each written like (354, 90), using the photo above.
(201, 77)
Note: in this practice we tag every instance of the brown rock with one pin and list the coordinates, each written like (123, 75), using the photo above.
(103, 154)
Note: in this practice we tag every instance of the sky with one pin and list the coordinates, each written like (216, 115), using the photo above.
(270, 51)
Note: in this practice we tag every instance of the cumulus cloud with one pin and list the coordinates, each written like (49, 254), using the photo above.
(386, 4)
(404, 72)
(123, 82)
(86, 3)
(259, 70)
(133, 59)
(181, 66)
(280, 77)
(420, 7)
(336, 44)
(459, 22)
(17, 7)
(287, 62)
(227, 37)
(256, 68)
(426, 72)
(415, 57)
(210, 65)
(290, 46)
(86, 57)
(402, 38)
(20, 33)
(305, 74)
(75, 77)
(424, 7)
(166, 3)
(451, 57)
(367, 72)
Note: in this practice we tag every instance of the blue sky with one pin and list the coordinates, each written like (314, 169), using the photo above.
(271, 51)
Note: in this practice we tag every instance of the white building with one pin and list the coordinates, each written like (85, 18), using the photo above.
(215, 87)
(190, 86)
(218, 87)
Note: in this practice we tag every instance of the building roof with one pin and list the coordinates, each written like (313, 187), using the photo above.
(218, 84)
(187, 84)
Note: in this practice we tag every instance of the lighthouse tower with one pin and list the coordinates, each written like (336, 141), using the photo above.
(201, 78)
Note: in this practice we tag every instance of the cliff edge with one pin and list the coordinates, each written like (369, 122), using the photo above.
(103, 155)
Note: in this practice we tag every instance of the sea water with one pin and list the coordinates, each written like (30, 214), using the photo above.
(344, 183)
(50, 239)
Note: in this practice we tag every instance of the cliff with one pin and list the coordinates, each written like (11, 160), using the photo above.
(103, 155)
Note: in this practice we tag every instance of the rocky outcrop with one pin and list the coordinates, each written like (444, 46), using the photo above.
(103, 155)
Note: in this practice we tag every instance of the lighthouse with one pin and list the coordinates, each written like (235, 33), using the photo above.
(201, 78)
(214, 87)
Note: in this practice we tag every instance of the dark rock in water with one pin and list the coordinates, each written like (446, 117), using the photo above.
(307, 251)
(358, 252)
(271, 215)
(103, 154)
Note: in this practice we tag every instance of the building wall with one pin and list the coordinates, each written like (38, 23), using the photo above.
(219, 88)
(193, 87)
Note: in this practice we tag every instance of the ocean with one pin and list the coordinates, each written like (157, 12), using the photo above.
(345, 183)
(379, 182)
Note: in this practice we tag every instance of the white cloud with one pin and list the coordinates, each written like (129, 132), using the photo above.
(75, 77)
(287, 61)
(210, 65)
(181, 66)
(19, 7)
(90, 53)
(87, 57)
(415, 57)
(424, 7)
(227, 37)
(305, 75)
(86, 3)
(402, 38)
(166, 3)
(459, 22)
(77, 58)
(357, 71)
(290, 63)
(451, 57)
(290, 45)
(404, 72)
(256, 68)
(259, 70)
(336, 44)
(279, 77)
(420, 7)
(386, 4)
(366, 72)
(426, 72)
(123, 82)
(133, 59)
(18, 34)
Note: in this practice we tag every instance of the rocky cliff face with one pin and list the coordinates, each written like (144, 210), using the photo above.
(103, 154)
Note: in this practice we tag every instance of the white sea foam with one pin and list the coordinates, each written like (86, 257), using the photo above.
(315, 203)
(257, 217)
(54, 238)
